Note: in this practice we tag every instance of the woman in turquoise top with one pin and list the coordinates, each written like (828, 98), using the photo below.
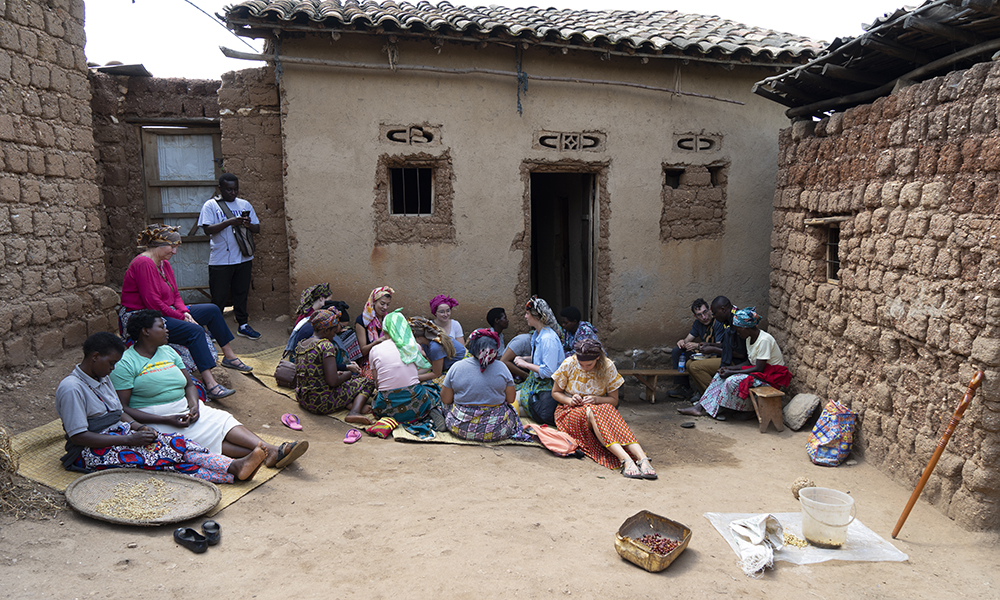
(156, 389)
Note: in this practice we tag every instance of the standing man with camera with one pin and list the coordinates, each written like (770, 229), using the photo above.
(230, 223)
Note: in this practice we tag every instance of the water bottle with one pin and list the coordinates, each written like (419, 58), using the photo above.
(680, 363)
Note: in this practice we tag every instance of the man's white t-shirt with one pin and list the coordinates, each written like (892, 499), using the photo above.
(224, 249)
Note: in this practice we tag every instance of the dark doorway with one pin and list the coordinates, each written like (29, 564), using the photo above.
(562, 240)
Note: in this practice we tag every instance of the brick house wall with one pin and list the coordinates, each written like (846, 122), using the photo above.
(917, 307)
(52, 270)
(252, 150)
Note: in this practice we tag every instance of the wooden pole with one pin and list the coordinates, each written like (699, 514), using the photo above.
(964, 404)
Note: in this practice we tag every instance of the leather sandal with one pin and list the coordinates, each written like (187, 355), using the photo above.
(218, 392)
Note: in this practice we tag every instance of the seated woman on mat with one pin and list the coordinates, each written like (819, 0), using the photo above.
(441, 307)
(304, 330)
(368, 325)
(519, 346)
(441, 349)
(312, 298)
(149, 284)
(730, 387)
(586, 388)
(575, 327)
(480, 392)
(156, 389)
(325, 380)
(546, 356)
(402, 398)
(99, 436)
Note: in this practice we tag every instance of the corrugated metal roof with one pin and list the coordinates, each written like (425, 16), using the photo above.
(653, 33)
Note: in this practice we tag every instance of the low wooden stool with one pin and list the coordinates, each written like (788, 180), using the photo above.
(767, 404)
(648, 378)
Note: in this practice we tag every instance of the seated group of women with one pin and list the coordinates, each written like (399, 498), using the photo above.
(139, 408)
(417, 376)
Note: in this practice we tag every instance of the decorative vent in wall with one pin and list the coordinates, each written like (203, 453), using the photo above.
(697, 142)
(570, 141)
(411, 135)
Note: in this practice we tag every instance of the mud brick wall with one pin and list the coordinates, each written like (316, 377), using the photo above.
(917, 308)
(52, 273)
(120, 106)
(252, 150)
(694, 202)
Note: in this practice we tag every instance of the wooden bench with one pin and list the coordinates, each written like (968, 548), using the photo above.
(767, 404)
(648, 378)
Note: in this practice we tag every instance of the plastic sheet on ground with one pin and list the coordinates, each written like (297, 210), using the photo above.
(863, 544)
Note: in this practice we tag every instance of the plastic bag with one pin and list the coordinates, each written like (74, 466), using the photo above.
(832, 437)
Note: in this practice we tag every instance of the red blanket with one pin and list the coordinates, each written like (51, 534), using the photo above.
(775, 376)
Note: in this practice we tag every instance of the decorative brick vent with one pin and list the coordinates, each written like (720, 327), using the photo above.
(570, 141)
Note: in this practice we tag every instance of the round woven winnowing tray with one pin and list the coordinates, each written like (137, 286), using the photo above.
(190, 497)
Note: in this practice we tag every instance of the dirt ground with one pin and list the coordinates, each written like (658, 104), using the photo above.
(380, 519)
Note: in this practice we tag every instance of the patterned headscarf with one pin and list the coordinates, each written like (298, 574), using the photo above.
(442, 299)
(433, 332)
(483, 344)
(540, 309)
(156, 235)
(372, 323)
(588, 349)
(310, 295)
(399, 332)
(323, 319)
(746, 317)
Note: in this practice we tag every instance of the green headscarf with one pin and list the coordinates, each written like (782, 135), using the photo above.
(398, 329)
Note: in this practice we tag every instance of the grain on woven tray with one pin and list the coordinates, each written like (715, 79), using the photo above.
(143, 501)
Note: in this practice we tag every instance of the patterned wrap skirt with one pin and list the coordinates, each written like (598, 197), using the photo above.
(613, 428)
(324, 402)
(169, 452)
(410, 407)
(485, 423)
(726, 393)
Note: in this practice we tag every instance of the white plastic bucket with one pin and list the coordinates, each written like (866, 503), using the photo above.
(826, 514)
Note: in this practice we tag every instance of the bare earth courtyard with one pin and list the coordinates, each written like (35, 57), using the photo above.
(380, 519)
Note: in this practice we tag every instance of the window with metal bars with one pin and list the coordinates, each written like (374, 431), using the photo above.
(411, 191)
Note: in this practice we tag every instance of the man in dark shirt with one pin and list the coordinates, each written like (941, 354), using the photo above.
(705, 338)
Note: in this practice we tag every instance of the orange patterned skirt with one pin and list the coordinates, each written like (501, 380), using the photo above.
(613, 428)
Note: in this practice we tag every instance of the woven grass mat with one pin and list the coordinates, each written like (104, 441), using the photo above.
(264, 363)
(400, 434)
(41, 448)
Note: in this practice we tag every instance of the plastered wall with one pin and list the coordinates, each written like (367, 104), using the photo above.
(332, 124)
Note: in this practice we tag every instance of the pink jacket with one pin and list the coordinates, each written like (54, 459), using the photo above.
(143, 287)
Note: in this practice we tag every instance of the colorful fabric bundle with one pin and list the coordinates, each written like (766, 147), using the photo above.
(832, 437)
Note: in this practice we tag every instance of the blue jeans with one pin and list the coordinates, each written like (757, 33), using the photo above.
(192, 336)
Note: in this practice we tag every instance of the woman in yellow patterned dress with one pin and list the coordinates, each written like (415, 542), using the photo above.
(586, 388)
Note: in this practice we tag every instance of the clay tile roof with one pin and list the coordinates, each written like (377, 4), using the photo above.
(661, 32)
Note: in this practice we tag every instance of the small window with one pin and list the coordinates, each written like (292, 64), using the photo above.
(411, 191)
(833, 252)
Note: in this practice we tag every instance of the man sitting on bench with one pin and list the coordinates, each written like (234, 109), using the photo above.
(705, 337)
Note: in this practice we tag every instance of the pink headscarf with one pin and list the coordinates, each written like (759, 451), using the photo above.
(442, 299)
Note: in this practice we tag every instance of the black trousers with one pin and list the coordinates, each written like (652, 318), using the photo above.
(235, 279)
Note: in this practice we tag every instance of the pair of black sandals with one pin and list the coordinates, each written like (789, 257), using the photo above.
(198, 542)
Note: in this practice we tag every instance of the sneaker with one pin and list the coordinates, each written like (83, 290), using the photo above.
(246, 331)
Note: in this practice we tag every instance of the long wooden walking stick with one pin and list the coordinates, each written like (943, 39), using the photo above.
(964, 404)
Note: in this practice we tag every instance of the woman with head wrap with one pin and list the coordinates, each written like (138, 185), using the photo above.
(368, 325)
(312, 298)
(402, 399)
(441, 349)
(586, 388)
(150, 284)
(575, 327)
(326, 381)
(546, 356)
(441, 307)
(480, 392)
(730, 387)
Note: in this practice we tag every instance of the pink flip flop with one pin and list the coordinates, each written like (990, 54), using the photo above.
(291, 421)
(352, 436)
